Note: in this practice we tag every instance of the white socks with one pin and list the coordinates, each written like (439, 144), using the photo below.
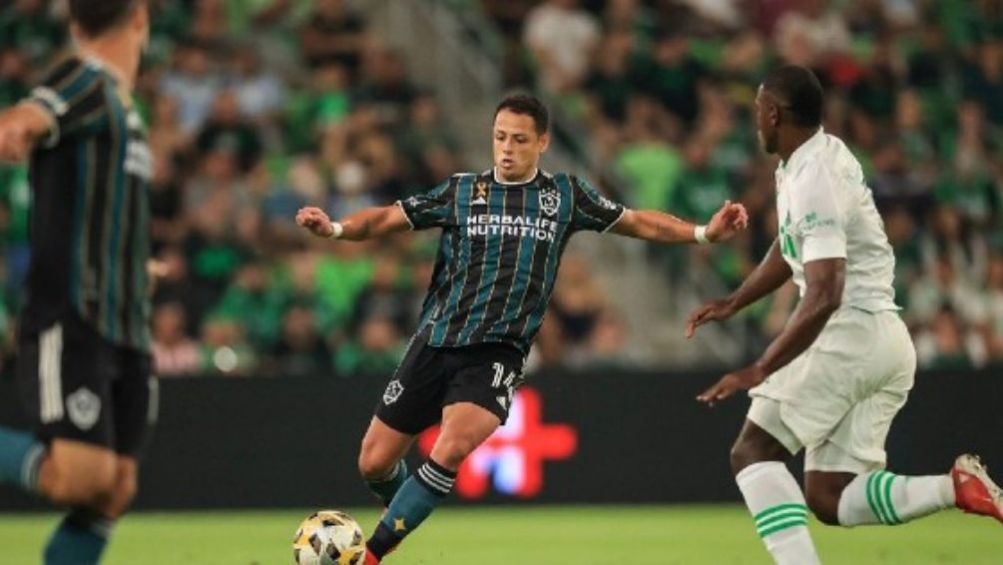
(778, 507)
(880, 497)
(781, 515)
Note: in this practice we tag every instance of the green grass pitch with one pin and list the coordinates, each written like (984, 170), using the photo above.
(656, 535)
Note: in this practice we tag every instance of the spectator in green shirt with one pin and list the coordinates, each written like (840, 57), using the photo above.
(322, 104)
(374, 350)
(29, 26)
(703, 185)
(648, 164)
(13, 76)
(301, 350)
(15, 198)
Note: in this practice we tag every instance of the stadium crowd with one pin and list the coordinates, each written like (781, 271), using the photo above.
(256, 108)
(915, 88)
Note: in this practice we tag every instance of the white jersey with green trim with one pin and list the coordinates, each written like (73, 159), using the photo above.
(825, 211)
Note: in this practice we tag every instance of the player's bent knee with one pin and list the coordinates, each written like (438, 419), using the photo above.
(77, 474)
(824, 506)
(741, 456)
(70, 488)
(754, 445)
(373, 465)
(376, 460)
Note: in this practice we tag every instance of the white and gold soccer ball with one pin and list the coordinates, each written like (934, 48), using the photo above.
(329, 537)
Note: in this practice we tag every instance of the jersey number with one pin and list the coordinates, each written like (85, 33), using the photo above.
(500, 378)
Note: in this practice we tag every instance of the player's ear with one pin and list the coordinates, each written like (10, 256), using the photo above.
(141, 17)
(76, 34)
(544, 141)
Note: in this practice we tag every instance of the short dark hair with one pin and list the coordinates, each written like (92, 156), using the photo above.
(528, 105)
(798, 91)
(98, 16)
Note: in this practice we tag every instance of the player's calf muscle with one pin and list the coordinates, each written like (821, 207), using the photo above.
(450, 452)
(457, 442)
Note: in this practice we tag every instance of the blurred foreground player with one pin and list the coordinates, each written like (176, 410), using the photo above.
(83, 358)
(833, 380)
(503, 232)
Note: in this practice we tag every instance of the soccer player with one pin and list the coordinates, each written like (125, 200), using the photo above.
(83, 359)
(503, 232)
(841, 369)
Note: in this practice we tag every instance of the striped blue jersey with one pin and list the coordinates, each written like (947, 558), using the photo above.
(89, 216)
(499, 252)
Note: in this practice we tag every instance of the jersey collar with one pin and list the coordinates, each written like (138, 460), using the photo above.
(803, 151)
(531, 178)
(122, 84)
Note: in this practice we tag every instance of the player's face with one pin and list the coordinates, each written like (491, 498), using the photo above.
(766, 121)
(517, 146)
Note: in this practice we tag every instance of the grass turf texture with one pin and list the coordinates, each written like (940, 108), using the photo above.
(661, 535)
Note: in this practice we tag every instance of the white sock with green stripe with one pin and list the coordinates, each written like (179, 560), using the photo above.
(880, 497)
(778, 507)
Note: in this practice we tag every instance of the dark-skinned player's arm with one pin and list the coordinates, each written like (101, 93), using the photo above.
(771, 273)
(21, 126)
(365, 224)
(824, 281)
(660, 227)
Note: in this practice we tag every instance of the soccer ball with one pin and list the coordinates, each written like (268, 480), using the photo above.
(329, 537)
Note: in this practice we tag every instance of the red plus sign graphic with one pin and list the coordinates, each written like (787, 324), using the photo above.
(514, 456)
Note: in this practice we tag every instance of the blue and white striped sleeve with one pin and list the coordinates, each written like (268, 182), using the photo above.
(433, 209)
(73, 95)
(593, 211)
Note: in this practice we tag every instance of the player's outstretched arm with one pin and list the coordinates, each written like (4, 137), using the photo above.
(768, 276)
(364, 224)
(824, 281)
(659, 227)
(20, 127)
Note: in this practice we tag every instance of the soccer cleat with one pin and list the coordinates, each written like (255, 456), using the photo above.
(974, 491)
(370, 559)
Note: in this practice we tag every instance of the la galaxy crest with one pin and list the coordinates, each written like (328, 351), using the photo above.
(393, 392)
(550, 201)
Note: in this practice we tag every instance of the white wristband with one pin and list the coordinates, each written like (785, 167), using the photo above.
(700, 234)
(336, 230)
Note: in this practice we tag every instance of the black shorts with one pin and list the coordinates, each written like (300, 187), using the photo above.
(431, 378)
(77, 385)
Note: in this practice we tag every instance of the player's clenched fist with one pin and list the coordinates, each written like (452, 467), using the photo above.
(315, 220)
(728, 221)
(15, 143)
(20, 126)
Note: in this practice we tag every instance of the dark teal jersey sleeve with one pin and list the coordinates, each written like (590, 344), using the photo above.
(74, 95)
(593, 211)
(433, 209)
